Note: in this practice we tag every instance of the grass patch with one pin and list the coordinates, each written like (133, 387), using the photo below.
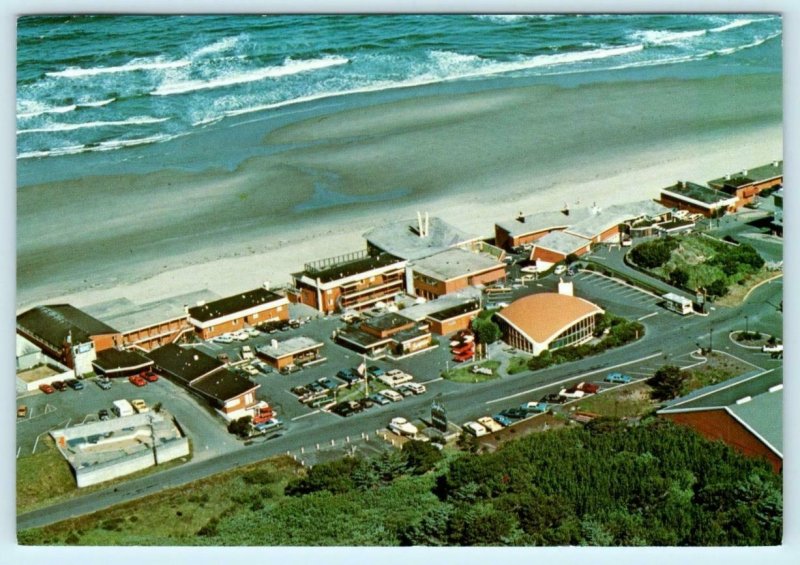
(622, 402)
(179, 516)
(465, 374)
(737, 292)
(46, 478)
(517, 365)
(718, 368)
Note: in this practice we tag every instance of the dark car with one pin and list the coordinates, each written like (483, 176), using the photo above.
(375, 371)
(105, 384)
(75, 384)
(379, 399)
(299, 390)
(514, 413)
(366, 403)
(103, 414)
(553, 398)
(328, 383)
(347, 408)
(59, 385)
(46, 388)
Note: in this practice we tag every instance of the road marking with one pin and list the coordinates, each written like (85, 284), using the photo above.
(306, 415)
(431, 381)
(574, 377)
(643, 374)
(647, 316)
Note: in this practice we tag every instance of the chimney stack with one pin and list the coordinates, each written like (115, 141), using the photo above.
(266, 285)
(274, 344)
(420, 231)
(775, 163)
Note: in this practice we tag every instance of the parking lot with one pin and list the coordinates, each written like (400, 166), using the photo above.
(616, 297)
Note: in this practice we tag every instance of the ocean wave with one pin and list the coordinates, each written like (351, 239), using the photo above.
(289, 67)
(661, 37)
(140, 120)
(219, 46)
(731, 25)
(96, 104)
(514, 18)
(135, 65)
(47, 110)
(755, 43)
(103, 146)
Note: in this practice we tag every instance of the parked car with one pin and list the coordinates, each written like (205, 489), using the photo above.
(103, 414)
(140, 406)
(253, 332)
(618, 378)
(224, 338)
(103, 383)
(150, 377)
(247, 353)
(415, 388)
(269, 425)
(241, 335)
(46, 388)
(514, 413)
(59, 385)
(490, 424)
(366, 403)
(534, 407)
(328, 383)
(588, 388)
(392, 395)
(554, 398)
(403, 427)
(250, 370)
(475, 429)
(502, 420)
(404, 391)
(375, 371)
(347, 408)
(263, 367)
(75, 384)
(571, 393)
(778, 348)
(22, 411)
(137, 380)
(560, 270)
(395, 378)
(379, 399)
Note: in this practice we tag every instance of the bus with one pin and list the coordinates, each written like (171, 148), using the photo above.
(677, 303)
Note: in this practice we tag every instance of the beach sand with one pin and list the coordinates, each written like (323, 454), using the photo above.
(472, 159)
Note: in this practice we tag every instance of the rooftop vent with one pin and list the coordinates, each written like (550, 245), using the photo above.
(744, 400)
(744, 172)
(521, 218)
(201, 302)
(196, 357)
(266, 285)
(775, 163)
(274, 344)
(727, 177)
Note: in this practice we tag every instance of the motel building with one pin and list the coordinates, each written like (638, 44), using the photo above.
(548, 321)
(388, 334)
(233, 313)
(353, 281)
(231, 394)
(296, 351)
(454, 270)
(67, 334)
(112, 363)
(449, 313)
(749, 183)
(698, 199)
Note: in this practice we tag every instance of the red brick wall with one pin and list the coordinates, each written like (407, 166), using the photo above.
(489, 277)
(719, 425)
(547, 255)
(106, 341)
(281, 312)
(681, 205)
(453, 325)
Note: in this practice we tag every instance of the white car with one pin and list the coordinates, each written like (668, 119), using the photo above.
(252, 332)
(560, 270)
(392, 395)
(415, 388)
(475, 429)
(530, 269)
(490, 424)
(241, 335)
(250, 370)
(247, 353)
(403, 427)
(140, 406)
(772, 348)
(571, 394)
(224, 338)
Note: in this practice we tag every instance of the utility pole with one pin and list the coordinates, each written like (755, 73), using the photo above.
(746, 328)
(710, 339)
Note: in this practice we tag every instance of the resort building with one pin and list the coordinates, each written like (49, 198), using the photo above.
(232, 313)
(749, 183)
(698, 199)
(153, 324)
(67, 334)
(745, 412)
(449, 313)
(349, 282)
(388, 334)
(120, 363)
(230, 393)
(555, 247)
(548, 320)
(295, 351)
(411, 239)
(453, 270)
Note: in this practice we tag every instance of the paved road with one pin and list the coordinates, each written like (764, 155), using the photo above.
(669, 338)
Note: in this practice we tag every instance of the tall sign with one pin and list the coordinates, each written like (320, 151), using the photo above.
(439, 415)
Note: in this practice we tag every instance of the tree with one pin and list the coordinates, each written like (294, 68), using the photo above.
(652, 254)
(667, 382)
(717, 288)
(335, 477)
(678, 277)
(421, 456)
(571, 258)
(486, 330)
(240, 427)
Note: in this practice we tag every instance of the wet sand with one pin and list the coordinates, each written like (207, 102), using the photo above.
(472, 159)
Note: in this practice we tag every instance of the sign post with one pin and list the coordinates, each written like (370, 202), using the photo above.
(439, 415)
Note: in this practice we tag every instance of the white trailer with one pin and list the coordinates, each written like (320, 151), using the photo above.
(676, 303)
(123, 408)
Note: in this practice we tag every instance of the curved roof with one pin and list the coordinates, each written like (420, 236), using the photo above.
(543, 316)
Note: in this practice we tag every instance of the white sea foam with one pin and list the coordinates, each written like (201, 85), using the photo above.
(731, 25)
(289, 67)
(96, 104)
(104, 146)
(135, 65)
(47, 110)
(659, 37)
(139, 120)
(219, 46)
(514, 18)
(755, 43)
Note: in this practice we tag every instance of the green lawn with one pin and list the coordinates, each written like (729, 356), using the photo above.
(517, 365)
(623, 402)
(465, 374)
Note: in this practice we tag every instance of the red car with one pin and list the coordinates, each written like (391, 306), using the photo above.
(150, 377)
(46, 388)
(137, 380)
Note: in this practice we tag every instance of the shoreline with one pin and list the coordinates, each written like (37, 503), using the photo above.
(472, 159)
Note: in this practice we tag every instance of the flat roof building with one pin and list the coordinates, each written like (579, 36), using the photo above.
(354, 281)
(294, 351)
(120, 363)
(555, 247)
(454, 269)
(67, 334)
(202, 374)
(151, 324)
(749, 183)
(698, 199)
(548, 321)
(388, 334)
(744, 412)
(449, 313)
(409, 239)
(232, 313)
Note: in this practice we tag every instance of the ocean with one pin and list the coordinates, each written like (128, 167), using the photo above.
(121, 93)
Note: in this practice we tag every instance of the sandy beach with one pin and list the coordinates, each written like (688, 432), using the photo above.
(471, 159)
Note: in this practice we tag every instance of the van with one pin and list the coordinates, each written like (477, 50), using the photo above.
(475, 429)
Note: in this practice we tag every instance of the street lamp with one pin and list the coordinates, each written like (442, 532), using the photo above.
(746, 328)
(710, 339)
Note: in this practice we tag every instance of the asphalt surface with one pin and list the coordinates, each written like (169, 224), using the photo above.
(669, 338)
